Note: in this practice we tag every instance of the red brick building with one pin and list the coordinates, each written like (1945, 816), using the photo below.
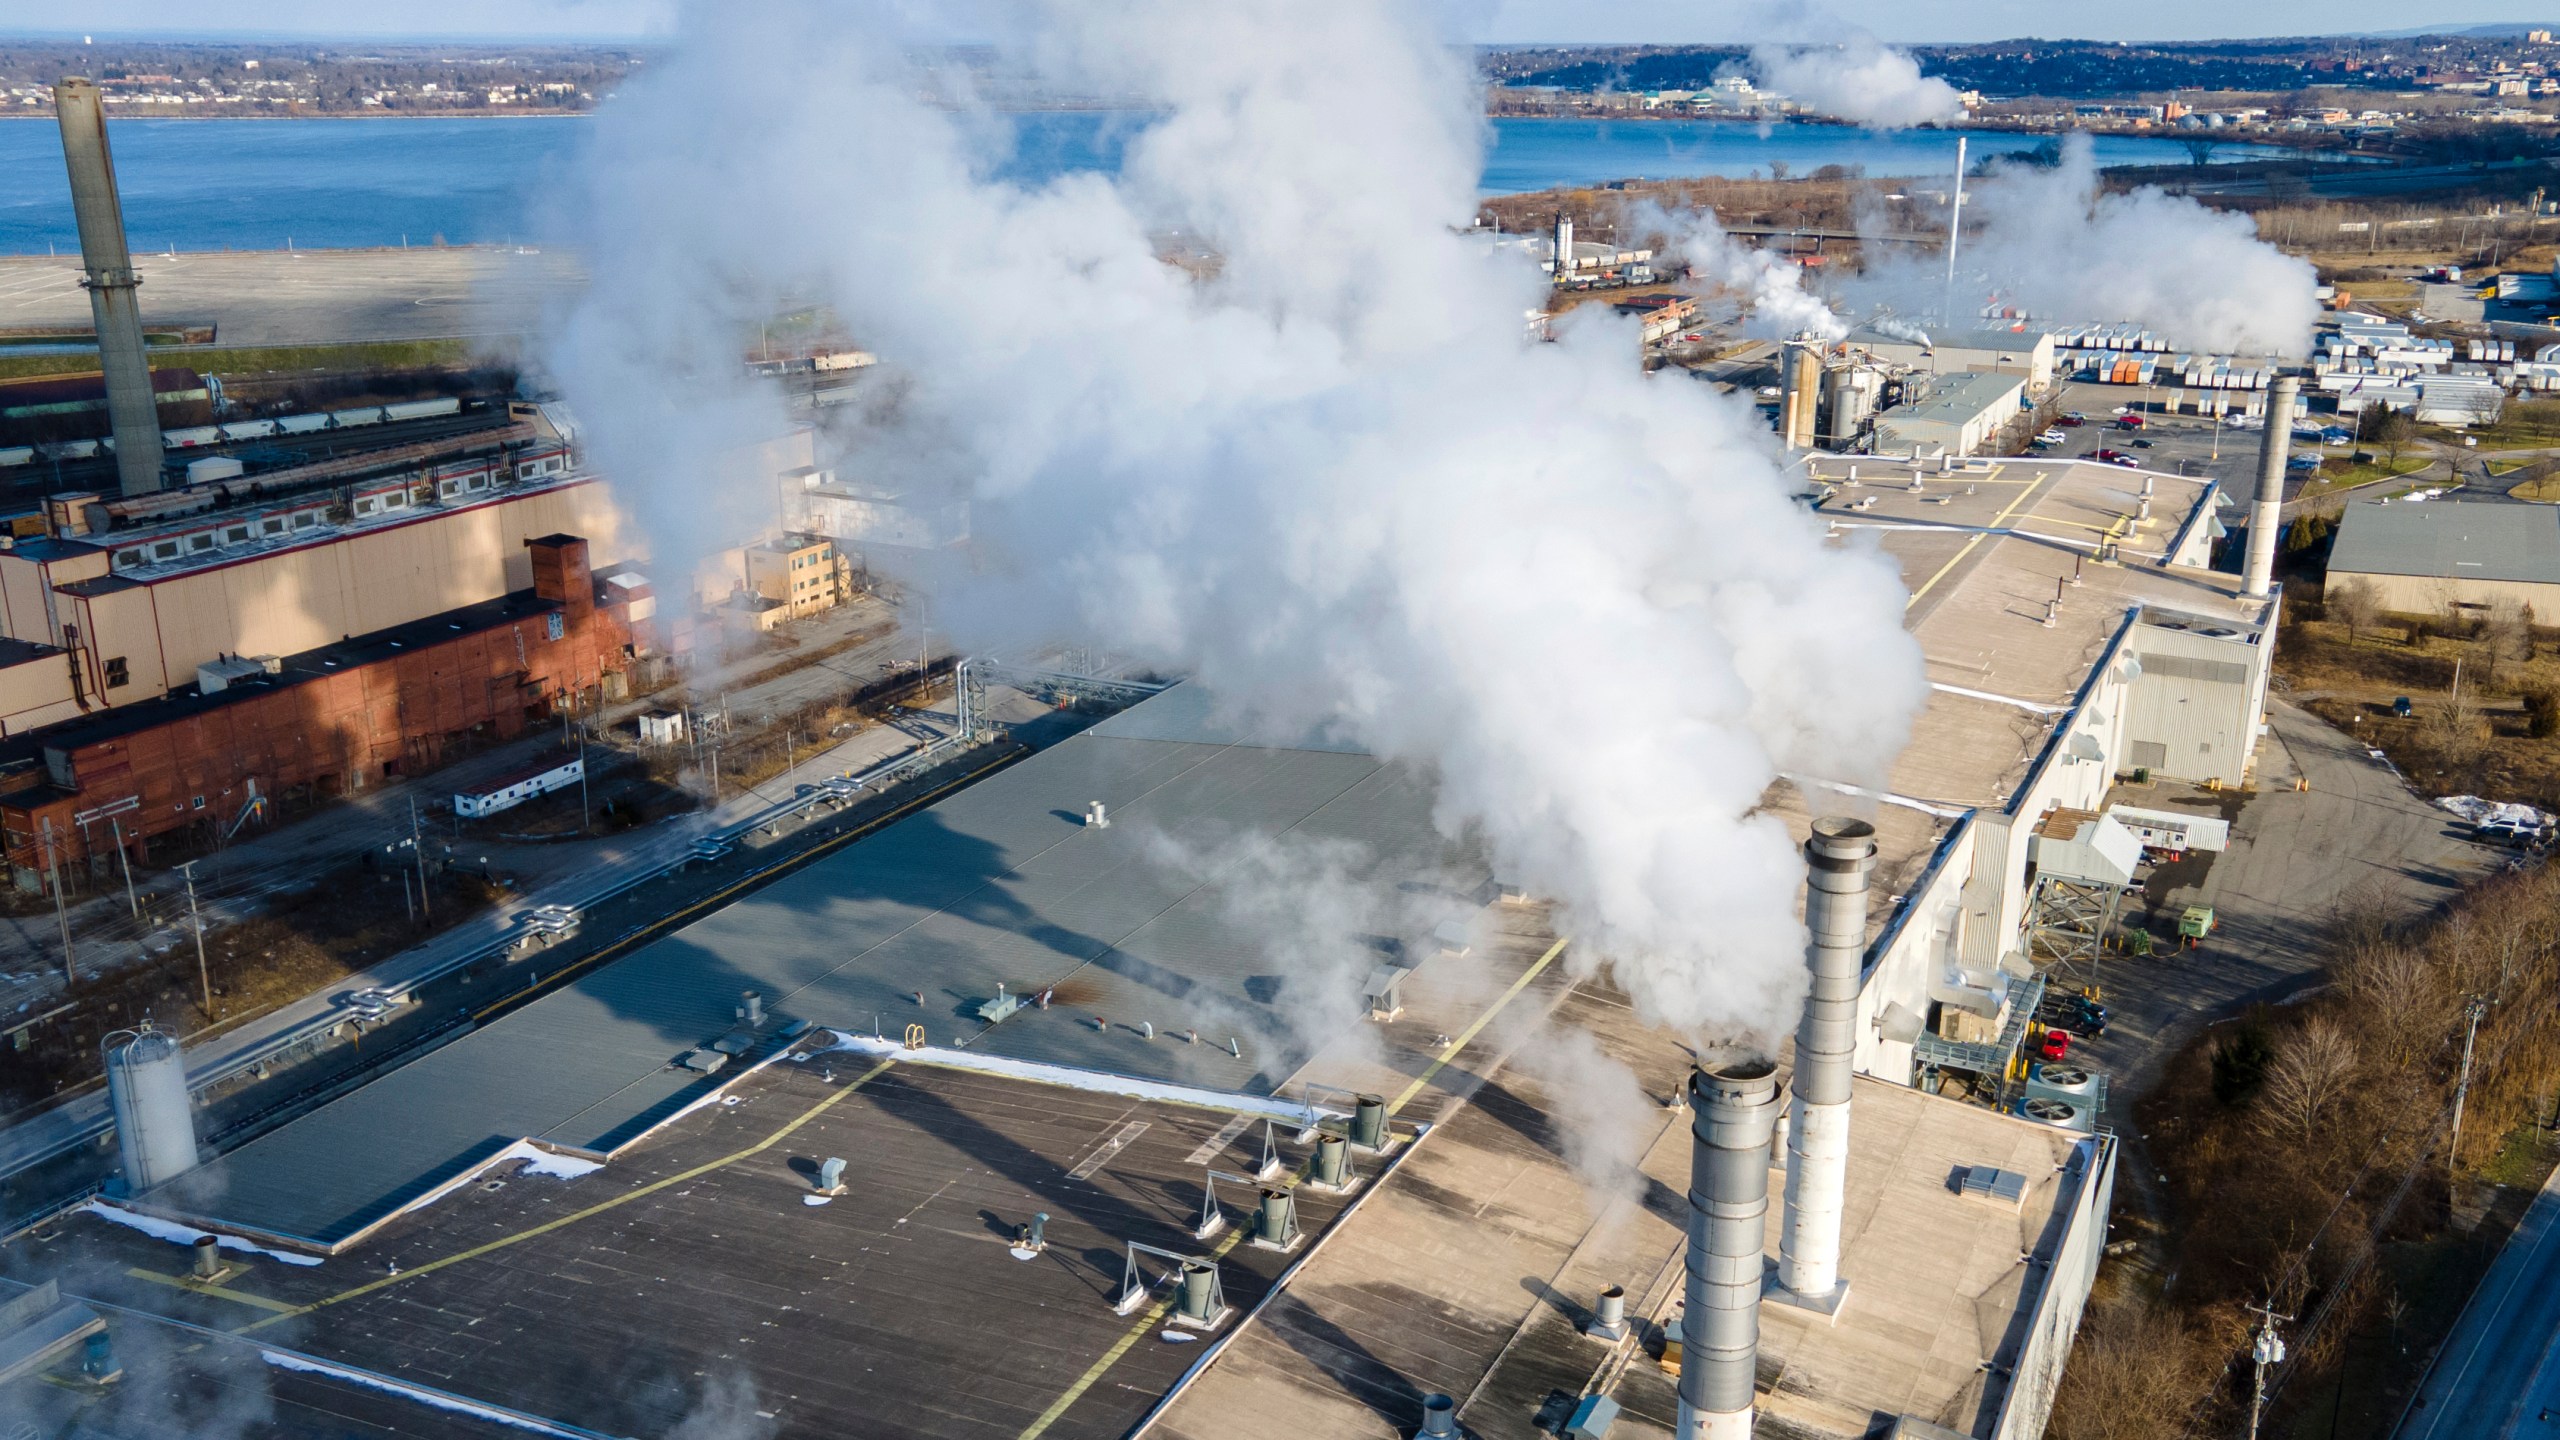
(324, 722)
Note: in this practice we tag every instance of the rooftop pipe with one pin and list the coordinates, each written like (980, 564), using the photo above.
(1837, 860)
(2266, 516)
(133, 412)
(1735, 1112)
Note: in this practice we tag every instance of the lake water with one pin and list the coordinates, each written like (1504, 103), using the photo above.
(318, 184)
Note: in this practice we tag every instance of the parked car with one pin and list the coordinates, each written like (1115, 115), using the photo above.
(2401, 708)
(2130, 462)
(2074, 420)
(2128, 422)
(2110, 456)
(2303, 462)
(2054, 1045)
(2510, 834)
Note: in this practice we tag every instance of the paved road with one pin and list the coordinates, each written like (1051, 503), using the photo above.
(2294, 856)
(2499, 1374)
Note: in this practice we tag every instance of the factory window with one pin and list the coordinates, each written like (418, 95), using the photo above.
(553, 627)
(126, 559)
(368, 505)
(201, 540)
(196, 804)
(304, 520)
(237, 534)
(272, 525)
(165, 550)
(117, 676)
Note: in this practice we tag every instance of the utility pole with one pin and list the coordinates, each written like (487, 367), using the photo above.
(2266, 1348)
(2473, 1011)
(61, 913)
(195, 922)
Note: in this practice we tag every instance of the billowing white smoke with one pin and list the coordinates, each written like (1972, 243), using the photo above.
(1769, 287)
(1337, 481)
(2045, 238)
(1860, 79)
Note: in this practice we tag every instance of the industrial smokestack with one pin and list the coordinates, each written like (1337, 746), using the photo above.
(1564, 246)
(1735, 1110)
(1837, 860)
(1800, 394)
(133, 413)
(2264, 515)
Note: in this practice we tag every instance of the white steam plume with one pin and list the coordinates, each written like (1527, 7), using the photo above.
(1337, 481)
(1859, 79)
(2049, 240)
(1769, 287)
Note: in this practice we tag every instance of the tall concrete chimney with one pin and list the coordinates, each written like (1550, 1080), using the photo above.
(2265, 516)
(133, 413)
(1735, 1111)
(1837, 860)
(1564, 247)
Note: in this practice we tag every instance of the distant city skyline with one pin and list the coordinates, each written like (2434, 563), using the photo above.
(1519, 22)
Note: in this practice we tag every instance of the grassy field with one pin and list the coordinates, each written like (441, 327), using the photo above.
(266, 360)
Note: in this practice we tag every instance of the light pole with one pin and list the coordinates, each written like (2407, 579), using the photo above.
(195, 922)
(61, 913)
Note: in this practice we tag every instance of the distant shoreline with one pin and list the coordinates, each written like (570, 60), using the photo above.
(48, 116)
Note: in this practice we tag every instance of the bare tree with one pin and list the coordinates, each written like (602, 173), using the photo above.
(2503, 636)
(2354, 604)
(2133, 1375)
(2311, 1074)
(2403, 995)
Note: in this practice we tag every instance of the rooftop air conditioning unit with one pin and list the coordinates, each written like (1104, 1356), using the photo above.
(2060, 1114)
(2071, 1083)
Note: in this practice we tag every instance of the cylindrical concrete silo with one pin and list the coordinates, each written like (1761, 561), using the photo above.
(155, 1121)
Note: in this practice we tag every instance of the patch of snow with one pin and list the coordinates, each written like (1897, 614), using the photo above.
(1232, 1101)
(2491, 812)
(437, 1399)
(817, 1199)
(539, 1161)
(1179, 1337)
(177, 1234)
(1023, 1252)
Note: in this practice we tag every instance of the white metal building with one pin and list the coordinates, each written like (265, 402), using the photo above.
(1958, 418)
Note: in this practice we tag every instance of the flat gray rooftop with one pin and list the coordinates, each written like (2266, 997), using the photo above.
(1151, 923)
(691, 1289)
(2450, 540)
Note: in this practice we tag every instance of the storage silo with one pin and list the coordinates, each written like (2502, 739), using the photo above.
(155, 1122)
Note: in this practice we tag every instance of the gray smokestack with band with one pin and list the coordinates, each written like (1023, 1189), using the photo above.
(1734, 1112)
(1837, 861)
(133, 412)
(2266, 515)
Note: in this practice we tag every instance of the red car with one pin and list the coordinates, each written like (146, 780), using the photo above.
(2110, 456)
(2071, 422)
(2128, 422)
(2055, 1045)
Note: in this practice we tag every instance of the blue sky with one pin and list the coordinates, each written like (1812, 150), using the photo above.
(1499, 21)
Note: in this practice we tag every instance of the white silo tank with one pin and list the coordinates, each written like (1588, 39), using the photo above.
(155, 1122)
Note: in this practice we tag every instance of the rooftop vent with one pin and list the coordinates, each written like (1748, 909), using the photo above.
(1983, 1182)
